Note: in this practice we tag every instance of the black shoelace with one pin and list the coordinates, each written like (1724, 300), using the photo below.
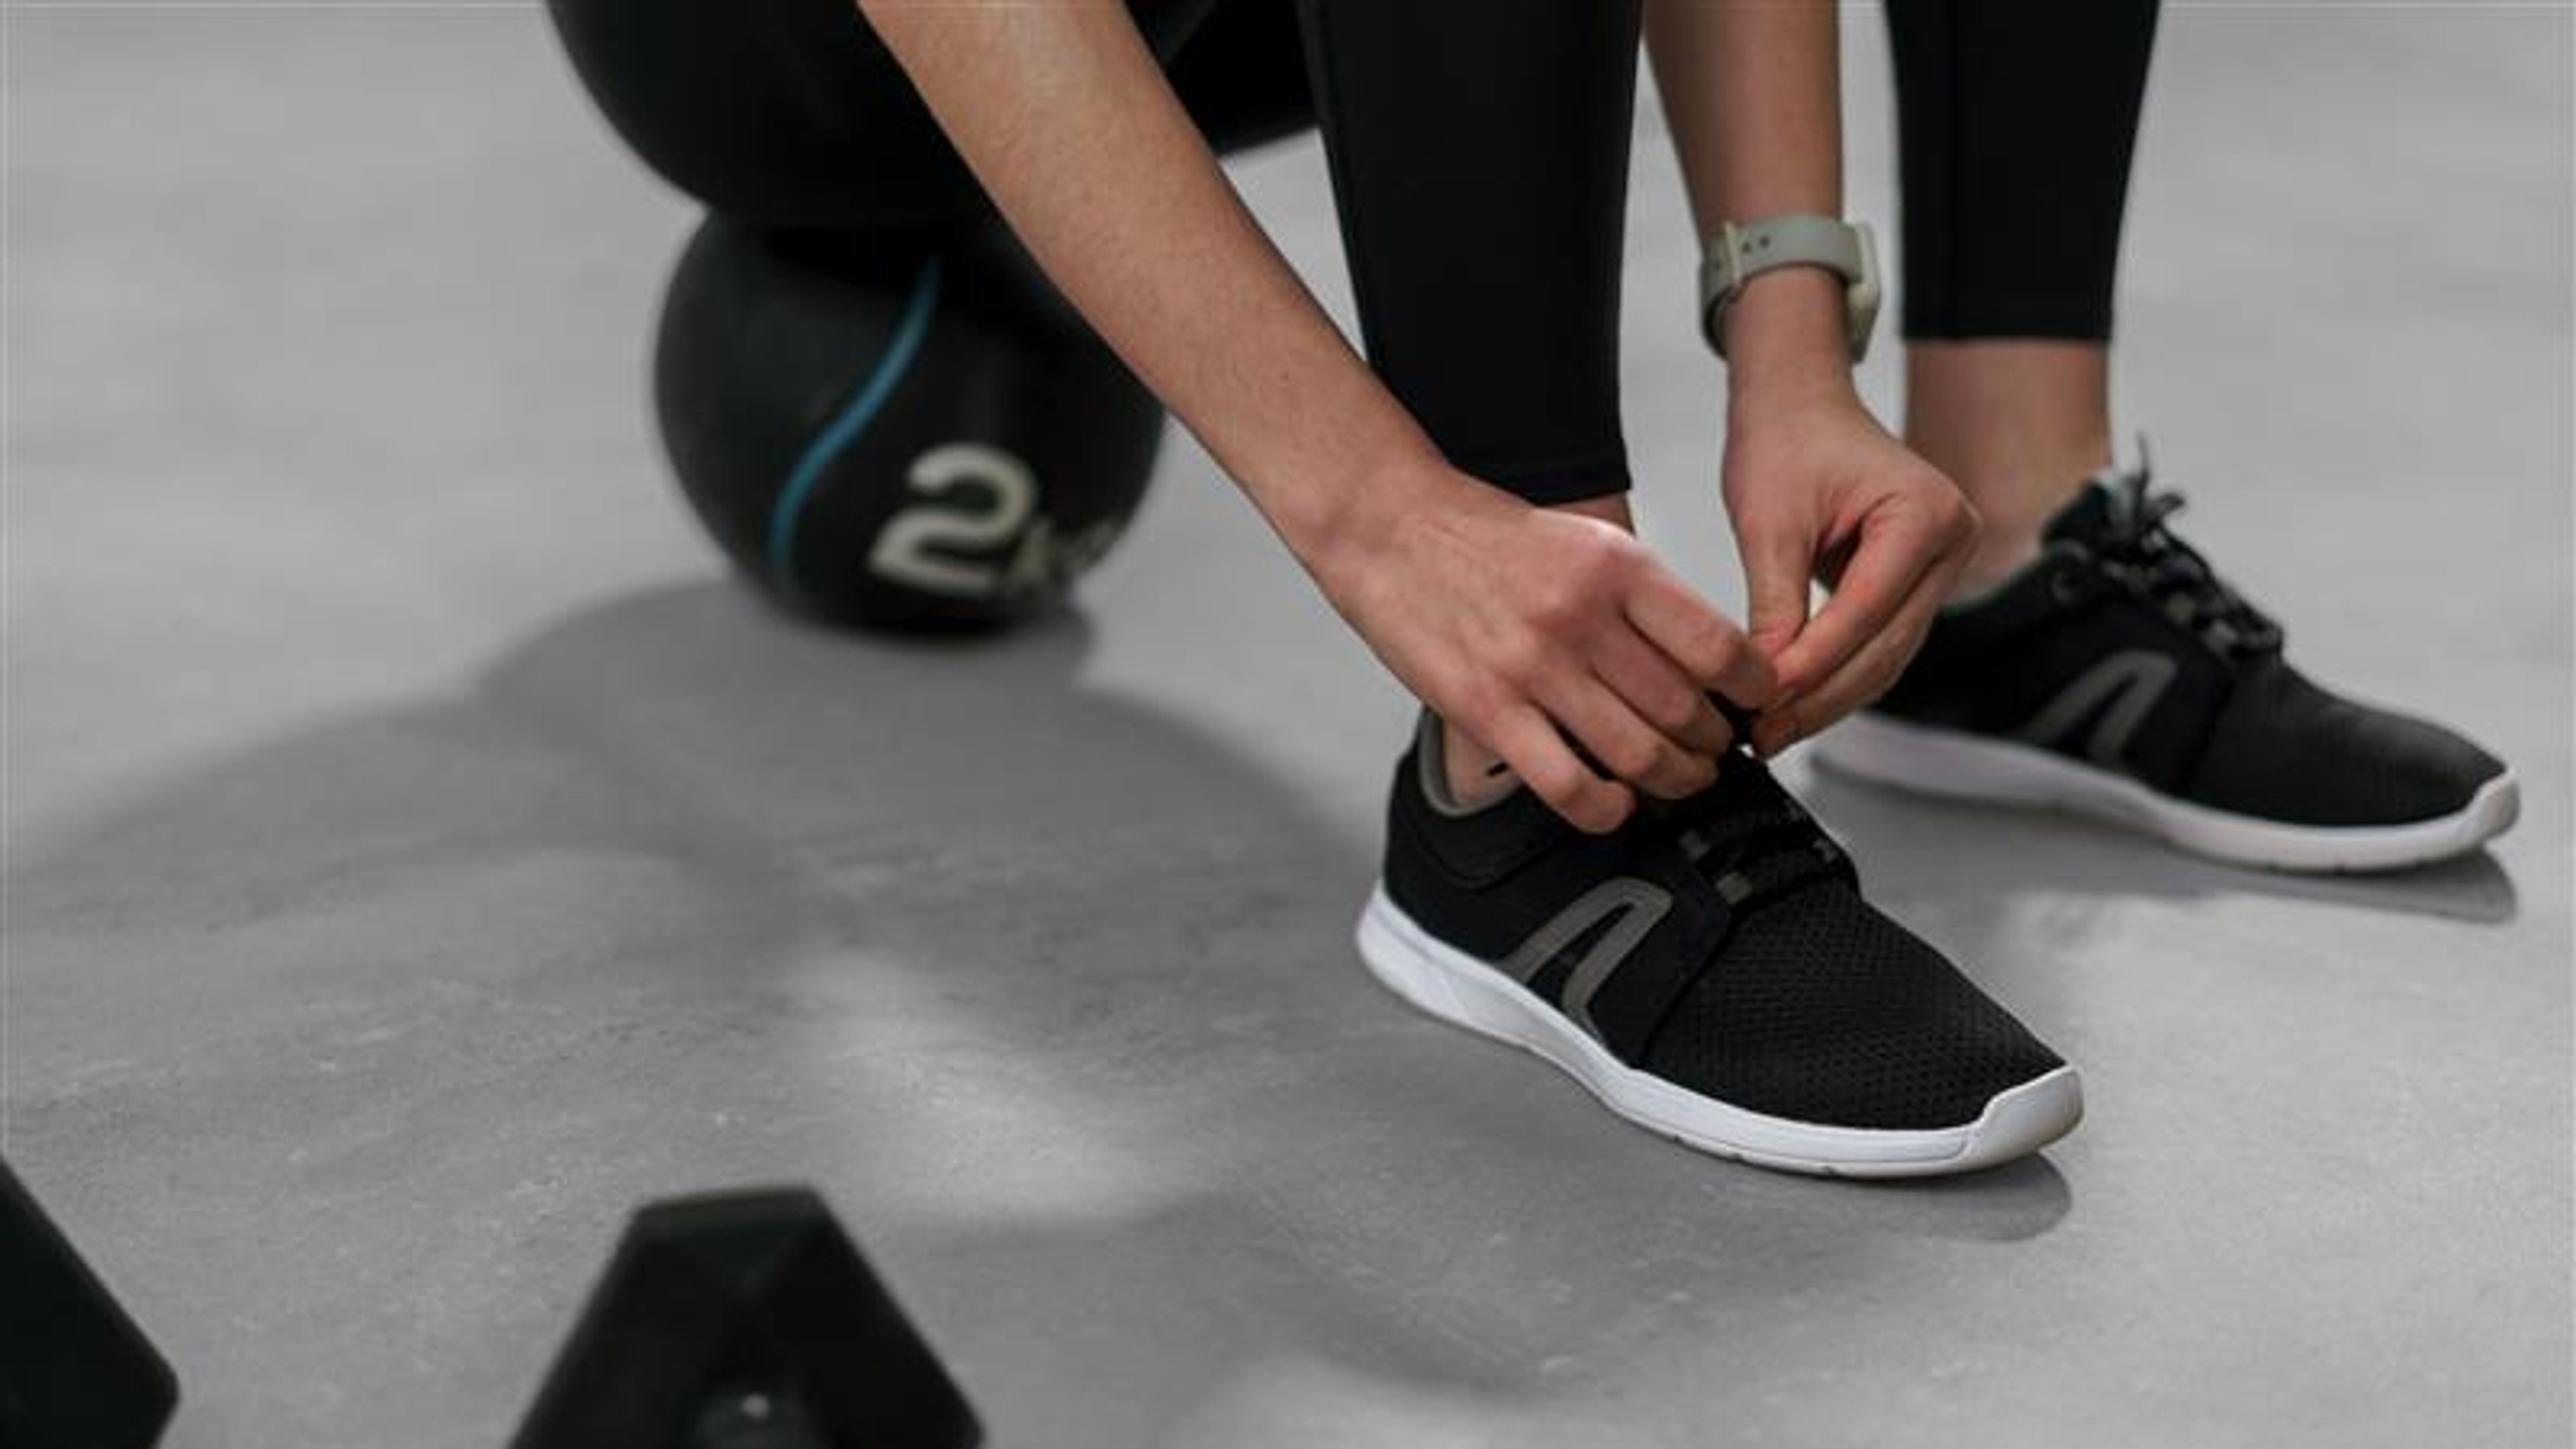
(1749, 839)
(2138, 553)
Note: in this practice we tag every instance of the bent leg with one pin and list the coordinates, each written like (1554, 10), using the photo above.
(790, 115)
(1479, 152)
(2017, 121)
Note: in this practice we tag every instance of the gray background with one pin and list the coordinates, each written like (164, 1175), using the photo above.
(418, 852)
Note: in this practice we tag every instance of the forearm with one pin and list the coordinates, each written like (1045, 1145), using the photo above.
(1752, 91)
(1070, 126)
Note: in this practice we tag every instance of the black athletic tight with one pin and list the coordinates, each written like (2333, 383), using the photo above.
(1479, 153)
(2015, 120)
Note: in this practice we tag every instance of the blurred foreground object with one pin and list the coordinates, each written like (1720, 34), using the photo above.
(75, 1373)
(744, 1320)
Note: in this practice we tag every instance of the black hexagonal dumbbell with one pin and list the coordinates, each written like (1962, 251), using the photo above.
(745, 1320)
(75, 1373)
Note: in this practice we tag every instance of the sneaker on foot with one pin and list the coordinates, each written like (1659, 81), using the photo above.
(2118, 677)
(1711, 972)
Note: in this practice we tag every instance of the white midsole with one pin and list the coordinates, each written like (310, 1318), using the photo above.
(1458, 988)
(1960, 766)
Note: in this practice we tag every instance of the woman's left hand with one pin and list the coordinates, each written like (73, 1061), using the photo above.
(1817, 490)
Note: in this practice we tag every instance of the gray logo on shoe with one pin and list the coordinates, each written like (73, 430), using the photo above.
(1636, 904)
(2129, 683)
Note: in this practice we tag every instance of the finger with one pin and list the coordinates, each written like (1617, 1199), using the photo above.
(1863, 677)
(1625, 745)
(1698, 639)
(1892, 559)
(1664, 697)
(1779, 566)
(1529, 742)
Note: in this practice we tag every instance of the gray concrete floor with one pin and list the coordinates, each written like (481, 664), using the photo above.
(418, 852)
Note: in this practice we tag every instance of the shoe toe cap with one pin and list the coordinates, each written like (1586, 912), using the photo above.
(2285, 749)
(1824, 1011)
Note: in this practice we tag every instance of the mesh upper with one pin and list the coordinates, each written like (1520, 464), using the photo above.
(2236, 729)
(1808, 1004)
(2284, 749)
(1821, 1009)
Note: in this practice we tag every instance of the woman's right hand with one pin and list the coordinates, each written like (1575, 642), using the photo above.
(1534, 631)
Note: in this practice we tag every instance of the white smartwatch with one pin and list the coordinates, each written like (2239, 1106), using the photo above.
(1742, 251)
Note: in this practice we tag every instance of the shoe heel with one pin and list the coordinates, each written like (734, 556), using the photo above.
(1399, 966)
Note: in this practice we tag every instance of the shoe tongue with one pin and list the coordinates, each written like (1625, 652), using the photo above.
(2089, 517)
(1746, 792)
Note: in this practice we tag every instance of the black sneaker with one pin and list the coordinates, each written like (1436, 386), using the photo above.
(1710, 971)
(2118, 677)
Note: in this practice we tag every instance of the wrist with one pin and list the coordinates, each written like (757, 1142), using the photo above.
(1334, 531)
(1787, 336)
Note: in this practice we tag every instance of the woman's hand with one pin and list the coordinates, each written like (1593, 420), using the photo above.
(1536, 631)
(1818, 490)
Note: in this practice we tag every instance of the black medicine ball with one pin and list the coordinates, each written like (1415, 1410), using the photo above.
(912, 433)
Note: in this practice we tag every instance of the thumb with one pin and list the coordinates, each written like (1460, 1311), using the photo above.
(1778, 564)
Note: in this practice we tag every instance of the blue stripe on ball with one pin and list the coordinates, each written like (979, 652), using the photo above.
(853, 419)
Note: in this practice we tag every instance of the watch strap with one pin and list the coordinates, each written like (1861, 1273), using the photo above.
(1745, 250)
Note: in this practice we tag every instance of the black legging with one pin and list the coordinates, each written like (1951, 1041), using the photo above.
(1479, 152)
(2015, 121)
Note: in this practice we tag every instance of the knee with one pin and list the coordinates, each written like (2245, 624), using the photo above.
(783, 113)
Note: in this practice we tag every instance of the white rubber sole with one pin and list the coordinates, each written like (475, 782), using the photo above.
(1464, 991)
(1958, 766)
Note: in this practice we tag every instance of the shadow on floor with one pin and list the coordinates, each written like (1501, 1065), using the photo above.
(1050, 991)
